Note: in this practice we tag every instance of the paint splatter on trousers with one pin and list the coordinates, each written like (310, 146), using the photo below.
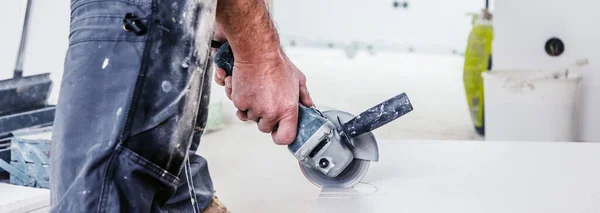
(132, 107)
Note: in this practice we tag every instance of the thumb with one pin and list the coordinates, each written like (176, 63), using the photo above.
(287, 128)
(305, 98)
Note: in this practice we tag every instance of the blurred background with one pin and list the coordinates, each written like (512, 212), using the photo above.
(356, 54)
(383, 47)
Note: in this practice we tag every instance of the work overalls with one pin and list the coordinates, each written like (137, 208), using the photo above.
(132, 106)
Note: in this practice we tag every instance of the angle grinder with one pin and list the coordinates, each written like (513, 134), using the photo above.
(334, 148)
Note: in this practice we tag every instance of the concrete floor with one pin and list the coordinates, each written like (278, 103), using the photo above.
(251, 174)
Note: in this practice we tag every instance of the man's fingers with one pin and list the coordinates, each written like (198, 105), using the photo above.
(286, 129)
(242, 115)
(228, 93)
(305, 98)
(266, 125)
(253, 116)
(228, 82)
(219, 34)
(220, 76)
(228, 87)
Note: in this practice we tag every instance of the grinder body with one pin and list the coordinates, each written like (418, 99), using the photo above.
(318, 145)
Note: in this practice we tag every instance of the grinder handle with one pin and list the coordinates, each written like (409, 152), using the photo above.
(378, 116)
(224, 57)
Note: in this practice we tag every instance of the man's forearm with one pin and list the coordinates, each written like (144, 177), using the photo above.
(249, 29)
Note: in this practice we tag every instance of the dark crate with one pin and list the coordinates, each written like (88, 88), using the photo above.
(29, 162)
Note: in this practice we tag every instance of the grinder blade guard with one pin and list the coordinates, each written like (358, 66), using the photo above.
(317, 146)
(356, 168)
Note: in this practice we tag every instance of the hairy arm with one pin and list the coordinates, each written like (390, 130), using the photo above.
(266, 86)
(248, 27)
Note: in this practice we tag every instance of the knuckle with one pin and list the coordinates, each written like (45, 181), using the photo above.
(236, 99)
(301, 76)
(238, 103)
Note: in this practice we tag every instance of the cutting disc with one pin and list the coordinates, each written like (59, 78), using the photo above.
(357, 169)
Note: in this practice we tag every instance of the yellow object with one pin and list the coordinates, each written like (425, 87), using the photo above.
(477, 55)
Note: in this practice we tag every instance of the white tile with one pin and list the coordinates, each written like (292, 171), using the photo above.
(15, 198)
(474, 177)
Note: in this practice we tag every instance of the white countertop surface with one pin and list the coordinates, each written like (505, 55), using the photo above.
(467, 176)
(15, 198)
(420, 176)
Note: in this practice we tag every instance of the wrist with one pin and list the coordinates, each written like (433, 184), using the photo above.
(256, 53)
(249, 29)
(257, 58)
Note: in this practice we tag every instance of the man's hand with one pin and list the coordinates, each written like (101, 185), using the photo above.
(268, 92)
(266, 86)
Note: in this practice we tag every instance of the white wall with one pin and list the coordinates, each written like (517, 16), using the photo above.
(439, 23)
(47, 38)
(426, 21)
(522, 27)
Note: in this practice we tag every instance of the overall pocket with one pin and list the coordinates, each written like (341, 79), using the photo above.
(102, 20)
(136, 184)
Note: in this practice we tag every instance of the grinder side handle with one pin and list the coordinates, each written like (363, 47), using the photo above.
(378, 115)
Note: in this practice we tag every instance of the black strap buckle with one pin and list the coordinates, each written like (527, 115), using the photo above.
(132, 23)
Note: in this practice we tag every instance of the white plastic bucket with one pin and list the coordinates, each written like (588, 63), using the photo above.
(531, 105)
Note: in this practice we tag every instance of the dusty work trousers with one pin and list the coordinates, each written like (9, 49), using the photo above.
(132, 107)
